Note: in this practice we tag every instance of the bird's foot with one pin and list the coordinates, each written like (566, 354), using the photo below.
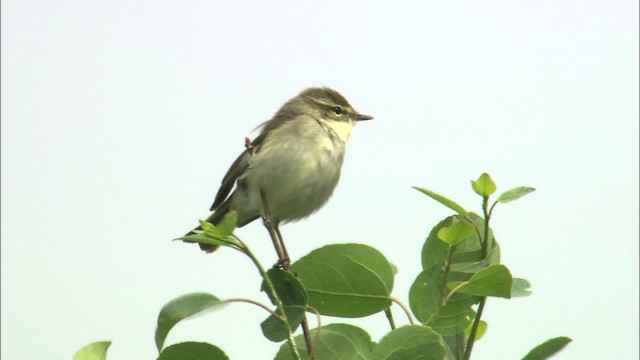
(282, 264)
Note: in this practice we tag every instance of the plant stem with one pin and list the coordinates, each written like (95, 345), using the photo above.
(292, 343)
(485, 247)
(447, 268)
(404, 308)
(474, 329)
(249, 301)
(485, 243)
(392, 323)
(459, 337)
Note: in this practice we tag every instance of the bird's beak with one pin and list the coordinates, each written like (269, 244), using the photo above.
(361, 117)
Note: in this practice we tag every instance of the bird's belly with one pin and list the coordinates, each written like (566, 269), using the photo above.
(299, 186)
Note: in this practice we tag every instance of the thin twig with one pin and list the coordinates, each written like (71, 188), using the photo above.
(446, 298)
(312, 354)
(265, 307)
(392, 323)
(474, 329)
(404, 307)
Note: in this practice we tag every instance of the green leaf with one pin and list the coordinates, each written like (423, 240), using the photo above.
(228, 223)
(94, 351)
(456, 233)
(520, 288)
(436, 253)
(484, 186)
(494, 280)
(293, 297)
(412, 342)
(468, 267)
(482, 329)
(336, 342)
(181, 308)
(208, 227)
(443, 200)
(201, 238)
(514, 194)
(426, 293)
(547, 348)
(192, 350)
(347, 280)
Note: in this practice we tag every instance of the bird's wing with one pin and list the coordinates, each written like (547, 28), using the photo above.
(237, 168)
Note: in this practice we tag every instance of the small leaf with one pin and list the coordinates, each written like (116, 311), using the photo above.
(520, 288)
(204, 239)
(228, 223)
(456, 233)
(482, 328)
(494, 280)
(443, 200)
(347, 280)
(293, 297)
(484, 186)
(179, 309)
(412, 342)
(208, 227)
(192, 350)
(514, 194)
(94, 351)
(547, 348)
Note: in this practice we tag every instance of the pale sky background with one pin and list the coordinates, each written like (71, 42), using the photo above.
(119, 119)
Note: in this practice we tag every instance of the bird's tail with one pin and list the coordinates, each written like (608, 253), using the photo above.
(214, 219)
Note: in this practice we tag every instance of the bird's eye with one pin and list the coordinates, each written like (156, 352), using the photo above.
(337, 110)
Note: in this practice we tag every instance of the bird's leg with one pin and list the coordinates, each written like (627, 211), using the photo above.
(274, 233)
(283, 262)
(284, 248)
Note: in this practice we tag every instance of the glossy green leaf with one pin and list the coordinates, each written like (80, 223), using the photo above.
(514, 194)
(347, 280)
(494, 280)
(547, 348)
(456, 233)
(412, 342)
(293, 297)
(484, 186)
(520, 288)
(443, 200)
(482, 329)
(336, 342)
(94, 351)
(179, 309)
(192, 350)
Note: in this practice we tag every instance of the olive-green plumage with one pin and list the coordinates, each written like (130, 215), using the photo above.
(296, 161)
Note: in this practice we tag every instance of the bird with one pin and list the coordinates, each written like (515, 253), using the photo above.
(294, 162)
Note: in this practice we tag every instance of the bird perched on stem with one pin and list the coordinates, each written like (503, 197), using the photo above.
(295, 162)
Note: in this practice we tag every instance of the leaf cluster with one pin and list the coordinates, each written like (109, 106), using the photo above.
(461, 268)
